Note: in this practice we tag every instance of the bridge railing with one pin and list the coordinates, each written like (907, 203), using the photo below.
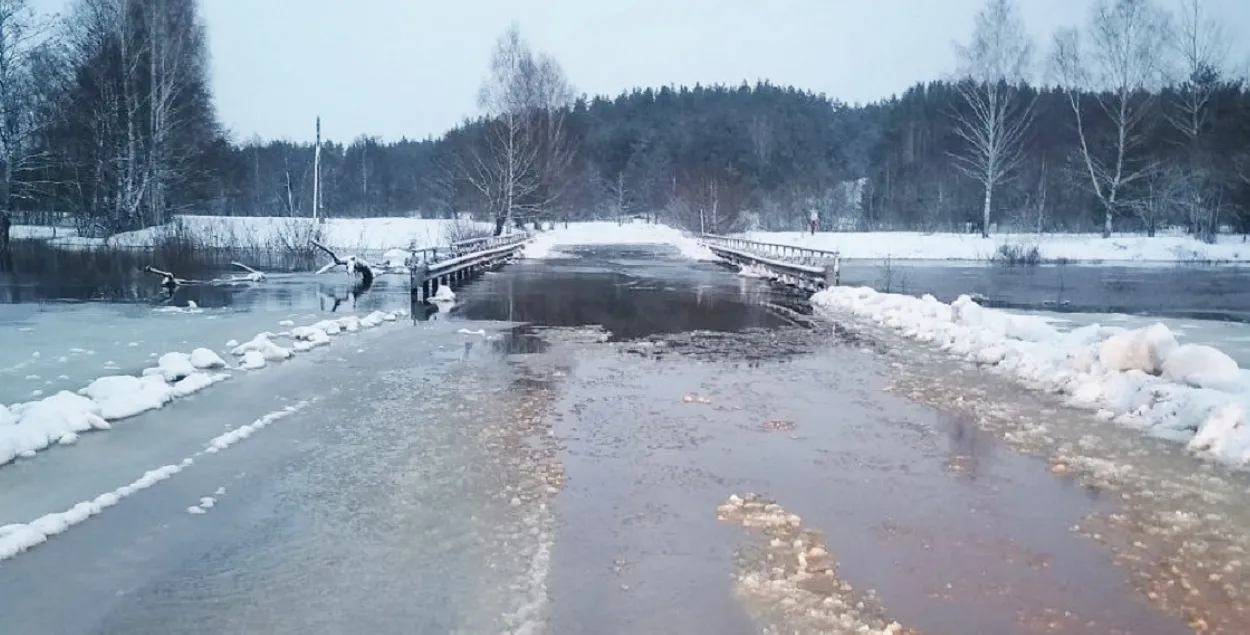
(811, 269)
(462, 260)
(777, 251)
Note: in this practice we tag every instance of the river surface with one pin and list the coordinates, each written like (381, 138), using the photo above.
(1179, 291)
(549, 456)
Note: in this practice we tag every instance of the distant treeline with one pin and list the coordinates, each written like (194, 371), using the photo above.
(119, 132)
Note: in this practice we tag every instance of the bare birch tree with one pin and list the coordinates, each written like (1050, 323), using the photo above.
(23, 113)
(995, 116)
(1121, 71)
(520, 168)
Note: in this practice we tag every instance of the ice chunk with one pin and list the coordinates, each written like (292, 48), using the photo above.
(261, 344)
(205, 359)
(175, 366)
(252, 360)
(122, 396)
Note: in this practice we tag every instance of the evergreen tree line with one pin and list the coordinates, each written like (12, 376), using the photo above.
(1131, 123)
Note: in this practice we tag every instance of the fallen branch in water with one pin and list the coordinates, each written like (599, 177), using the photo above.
(354, 264)
(168, 280)
(252, 274)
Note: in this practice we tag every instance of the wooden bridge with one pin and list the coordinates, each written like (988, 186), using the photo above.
(454, 265)
(799, 267)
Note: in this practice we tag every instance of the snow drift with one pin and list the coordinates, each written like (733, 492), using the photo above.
(1141, 378)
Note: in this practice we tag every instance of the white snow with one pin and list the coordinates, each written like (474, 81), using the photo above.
(970, 247)
(1140, 378)
(206, 359)
(232, 437)
(252, 360)
(354, 235)
(122, 396)
(262, 344)
(547, 244)
(173, 366)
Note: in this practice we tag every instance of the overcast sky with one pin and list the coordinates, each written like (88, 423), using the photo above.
(395, 68)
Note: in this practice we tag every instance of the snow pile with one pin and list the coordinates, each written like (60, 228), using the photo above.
(971, 247)
(1141, 378)
(26, 428)
(547, 244)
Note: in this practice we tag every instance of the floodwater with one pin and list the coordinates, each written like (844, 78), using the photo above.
(559, 476)
(1180, 291)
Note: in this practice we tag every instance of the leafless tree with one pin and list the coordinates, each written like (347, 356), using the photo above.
(1122, 70)
(1202, 49)
(995, 116)
(520, 166)
(23, 113)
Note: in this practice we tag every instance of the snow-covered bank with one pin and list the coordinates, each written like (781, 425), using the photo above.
(29, 427)
(547, 244)
(1084, 248)
(267, 232)
(1140, 378)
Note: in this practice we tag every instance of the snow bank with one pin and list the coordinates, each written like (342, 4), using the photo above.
(345, 234)
(1141, 378)
(547, 244)
(970, 247)
(26, 428)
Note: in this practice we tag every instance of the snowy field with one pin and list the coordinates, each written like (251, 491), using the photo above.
(347, 234)
(548, 244)
(1137, 375)
(1083, 248)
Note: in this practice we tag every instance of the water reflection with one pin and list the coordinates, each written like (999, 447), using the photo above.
(629, 299)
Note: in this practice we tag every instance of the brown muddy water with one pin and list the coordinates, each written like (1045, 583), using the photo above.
(952, 532)
(577, 474)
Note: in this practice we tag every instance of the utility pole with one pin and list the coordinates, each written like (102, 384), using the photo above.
(316, 202)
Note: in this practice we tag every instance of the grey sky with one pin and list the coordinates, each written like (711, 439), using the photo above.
(411, 68)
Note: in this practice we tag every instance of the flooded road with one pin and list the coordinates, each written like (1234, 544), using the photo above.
(574, 474)
(954, 532)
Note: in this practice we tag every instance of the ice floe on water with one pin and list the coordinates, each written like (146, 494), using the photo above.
(58, 419)
(1141, 378)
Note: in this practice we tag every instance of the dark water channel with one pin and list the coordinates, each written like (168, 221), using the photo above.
(1182, 291)
(630, 291)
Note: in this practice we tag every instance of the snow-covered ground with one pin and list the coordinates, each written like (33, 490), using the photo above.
(247, 232)
(547, 244)
(1142, 378)
(1084, 248)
